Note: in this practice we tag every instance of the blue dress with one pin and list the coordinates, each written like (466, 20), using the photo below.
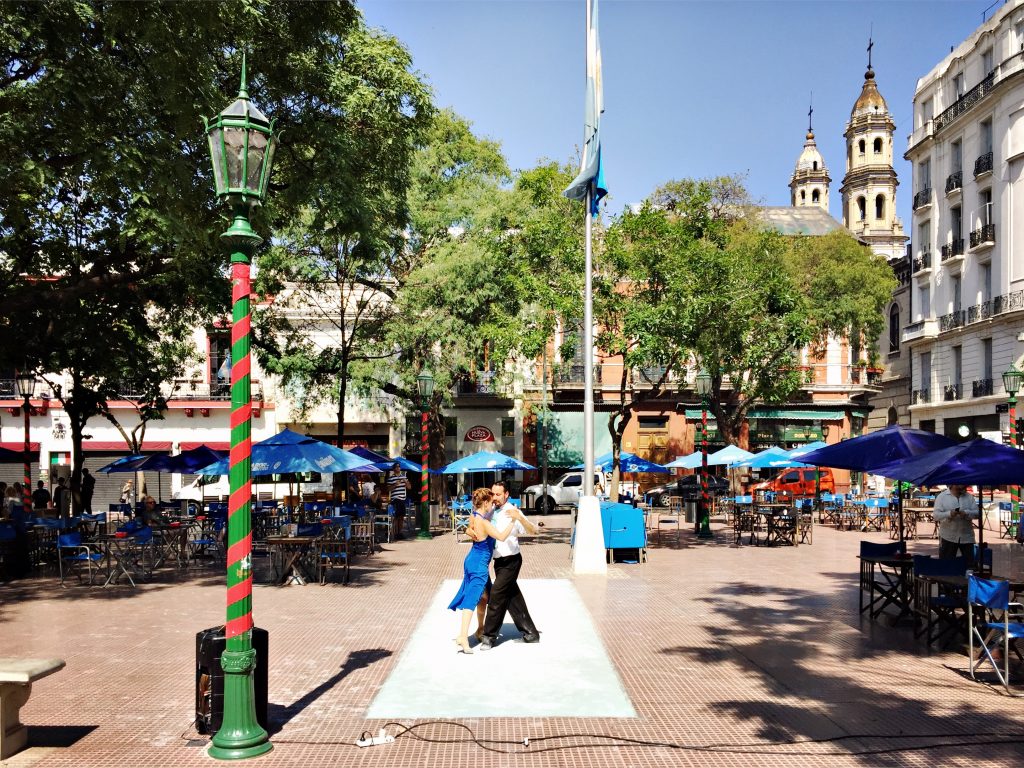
(475, 575)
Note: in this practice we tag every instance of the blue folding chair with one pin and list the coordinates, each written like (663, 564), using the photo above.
(993, 597)
(333, 550)
(73, 553)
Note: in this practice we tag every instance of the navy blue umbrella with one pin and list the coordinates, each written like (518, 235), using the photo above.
(126, 463)
(380, 461)
(874, 449)
(628, 462)
(977, 462)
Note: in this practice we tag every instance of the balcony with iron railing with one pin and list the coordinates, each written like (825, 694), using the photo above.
(984, 236)
(954, 182)
(965, 102)
(921, 396)
(953, 392)
(922, 262)
(923, 198)
(983, 165)
(572, 375)
(955, 319)
(953, 249)
(981, 387)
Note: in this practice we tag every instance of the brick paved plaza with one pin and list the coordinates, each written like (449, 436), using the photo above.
(715, 645)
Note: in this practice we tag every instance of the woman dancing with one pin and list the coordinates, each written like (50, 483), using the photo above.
(475, 575)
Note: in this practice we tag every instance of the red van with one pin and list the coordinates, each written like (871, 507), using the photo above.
(799, 482)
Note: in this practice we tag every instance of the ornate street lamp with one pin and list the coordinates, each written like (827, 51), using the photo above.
(704, 389)
(26, 384)
(1012, 381)
(425, 386)
(242, 145)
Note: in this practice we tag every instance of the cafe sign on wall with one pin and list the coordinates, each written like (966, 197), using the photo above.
(479, 434)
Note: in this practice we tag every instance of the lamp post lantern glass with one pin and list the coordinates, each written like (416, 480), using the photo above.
(704, 389)
(1012, 381)
(242, 144)
(26, 384)
(425, 386)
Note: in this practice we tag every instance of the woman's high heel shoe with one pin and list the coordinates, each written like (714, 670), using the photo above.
(463, 643)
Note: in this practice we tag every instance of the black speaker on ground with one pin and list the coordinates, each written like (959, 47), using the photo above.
(210, 678)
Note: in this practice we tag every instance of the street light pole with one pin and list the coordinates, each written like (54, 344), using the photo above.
(241, 147)
(1012, 380)
(704, 389)
(425, 385)
(26, 384)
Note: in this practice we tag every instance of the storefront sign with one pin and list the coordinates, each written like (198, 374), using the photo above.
(479, 434)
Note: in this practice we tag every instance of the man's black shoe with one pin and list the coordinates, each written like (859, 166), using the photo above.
(486, 644)
(531, 637)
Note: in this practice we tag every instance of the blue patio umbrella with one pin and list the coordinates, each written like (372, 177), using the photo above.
(762, 458)
(801, 450)
(125, 464)
(874, 449)
(485, 461)
(628, 462)
(380, 461)
(976, 462)
(685, 462)
(289, 452)
(728, 455)
(406, 464)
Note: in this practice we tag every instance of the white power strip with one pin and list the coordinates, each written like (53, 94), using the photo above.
(383, 737)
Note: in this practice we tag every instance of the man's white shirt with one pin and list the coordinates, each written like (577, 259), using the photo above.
(500, 520)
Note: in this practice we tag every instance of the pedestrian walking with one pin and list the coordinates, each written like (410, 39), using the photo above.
(398, 489)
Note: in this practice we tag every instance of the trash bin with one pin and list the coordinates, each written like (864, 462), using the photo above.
(691, 512)
(210, 645)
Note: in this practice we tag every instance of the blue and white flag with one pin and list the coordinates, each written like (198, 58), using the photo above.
(591, 171)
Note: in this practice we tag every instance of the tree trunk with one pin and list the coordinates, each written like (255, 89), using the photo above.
(342, 392)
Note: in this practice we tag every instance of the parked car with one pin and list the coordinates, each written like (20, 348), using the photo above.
(799, 482)
(685, 489)
(566, 491)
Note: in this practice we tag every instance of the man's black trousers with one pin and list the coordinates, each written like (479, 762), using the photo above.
(505, 596)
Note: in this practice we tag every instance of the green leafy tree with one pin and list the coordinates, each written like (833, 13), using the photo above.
(108, 219)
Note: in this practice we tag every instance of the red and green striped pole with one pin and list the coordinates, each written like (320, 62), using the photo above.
(1014, 489)
(26, 491)
(241, 735)
(424, 476)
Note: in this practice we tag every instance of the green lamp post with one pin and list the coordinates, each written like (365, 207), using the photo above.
(26, 384)
(1012, 381)
(425, 386)
(704, 389)
(242, 150)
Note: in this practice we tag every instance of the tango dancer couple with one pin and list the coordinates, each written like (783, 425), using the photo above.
(494, 527)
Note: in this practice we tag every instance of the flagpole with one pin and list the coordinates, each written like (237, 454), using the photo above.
(588, 350)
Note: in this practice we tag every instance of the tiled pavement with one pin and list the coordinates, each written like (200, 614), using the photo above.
(748, 648)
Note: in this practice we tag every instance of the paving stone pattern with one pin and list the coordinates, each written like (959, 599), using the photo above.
(747, 648)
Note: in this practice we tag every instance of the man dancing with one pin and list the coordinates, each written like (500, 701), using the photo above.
(505, 594)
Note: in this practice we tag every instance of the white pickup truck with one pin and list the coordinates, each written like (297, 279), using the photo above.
(566, 491)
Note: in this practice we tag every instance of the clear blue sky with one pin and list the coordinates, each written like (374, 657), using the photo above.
(692, 89)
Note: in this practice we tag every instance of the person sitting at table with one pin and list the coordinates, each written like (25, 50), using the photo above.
(476, 581)
(148, 514)
(11, 501)
(954, 510)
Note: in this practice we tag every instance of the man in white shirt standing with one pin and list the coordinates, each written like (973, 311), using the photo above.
(954, 510)
(505, 594)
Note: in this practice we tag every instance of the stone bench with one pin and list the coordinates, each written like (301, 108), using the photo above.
(16, 678)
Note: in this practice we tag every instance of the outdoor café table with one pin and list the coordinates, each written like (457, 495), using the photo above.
(910, 519)
(292, 551)
(893, 587)
(122, 553)
(171, 544)
(775, 518)
(918, 514)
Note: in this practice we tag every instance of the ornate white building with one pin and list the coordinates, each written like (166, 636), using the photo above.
(967, 283)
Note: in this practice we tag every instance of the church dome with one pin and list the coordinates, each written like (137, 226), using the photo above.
(810, 158)
(870, 101)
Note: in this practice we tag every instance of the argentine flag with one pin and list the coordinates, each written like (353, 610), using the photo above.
(591, 170)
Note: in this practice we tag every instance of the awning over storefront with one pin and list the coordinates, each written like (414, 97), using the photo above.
(19, 446)
(119, 445)
(565, 436)
(783, 414)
